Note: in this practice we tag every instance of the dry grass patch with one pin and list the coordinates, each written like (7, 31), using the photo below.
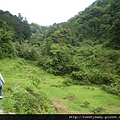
(60, 105)
(113, 110)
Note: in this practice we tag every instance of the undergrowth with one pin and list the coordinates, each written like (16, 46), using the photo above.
(31, 90)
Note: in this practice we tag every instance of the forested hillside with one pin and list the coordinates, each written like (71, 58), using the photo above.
(85, 49)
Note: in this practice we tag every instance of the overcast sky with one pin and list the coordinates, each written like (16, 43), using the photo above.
(45, 12)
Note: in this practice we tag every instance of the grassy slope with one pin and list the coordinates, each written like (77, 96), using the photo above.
(19, 75)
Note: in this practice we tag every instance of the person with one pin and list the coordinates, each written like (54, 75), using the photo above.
(1, 84)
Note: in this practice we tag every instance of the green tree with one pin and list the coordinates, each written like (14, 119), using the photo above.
(17, 24)
(7, 48)
(115, 34)
(59, 60)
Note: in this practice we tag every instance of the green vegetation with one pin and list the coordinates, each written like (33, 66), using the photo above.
(65, 68)
(22, 93)
(29, 89)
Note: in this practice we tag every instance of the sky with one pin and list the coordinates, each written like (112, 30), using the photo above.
(45, 12)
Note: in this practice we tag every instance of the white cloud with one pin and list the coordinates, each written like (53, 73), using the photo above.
(45, 12)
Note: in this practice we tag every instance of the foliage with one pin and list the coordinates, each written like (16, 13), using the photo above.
(28, 102)
(115, 34)
(98, 110)
(98, 22)
(113, 89)
(31, 103)
(37, 36)
(59, 61)
(85, 48)
(7, 48)
(27, 52)
(23, 96)
(19, 25)
(86, 104)
(94, 78)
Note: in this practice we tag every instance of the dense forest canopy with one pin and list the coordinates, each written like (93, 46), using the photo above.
(17, 24)
(85, 48)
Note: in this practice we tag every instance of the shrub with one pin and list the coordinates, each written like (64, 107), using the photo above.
(7, 47)
(59, 61)
(31, 103)
(79, 75)
(27, 52)
(8, 104)
(96, 77)
(86, 104)
(113, 89)
(101, 78)
(98, 110)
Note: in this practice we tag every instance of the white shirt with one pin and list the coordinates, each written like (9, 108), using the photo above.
(1, 78)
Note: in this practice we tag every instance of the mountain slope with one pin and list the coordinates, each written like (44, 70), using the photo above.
(30, 90)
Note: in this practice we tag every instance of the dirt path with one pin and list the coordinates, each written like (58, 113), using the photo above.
(2, 112)
(60, 105)
(117, 110)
